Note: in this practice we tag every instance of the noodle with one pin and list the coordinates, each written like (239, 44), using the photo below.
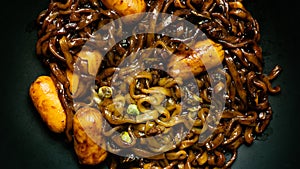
(66, 26)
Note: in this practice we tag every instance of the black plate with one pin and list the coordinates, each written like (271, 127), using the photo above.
(26, 142)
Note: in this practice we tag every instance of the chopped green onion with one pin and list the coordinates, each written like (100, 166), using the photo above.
(105, 92)
(125, 137)
(133, 110)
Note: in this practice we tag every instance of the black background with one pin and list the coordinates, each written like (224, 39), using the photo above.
(25, 142)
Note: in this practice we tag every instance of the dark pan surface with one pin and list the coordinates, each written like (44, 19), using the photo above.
(26, 142)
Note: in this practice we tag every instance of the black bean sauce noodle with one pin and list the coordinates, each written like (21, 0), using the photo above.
(66, 25)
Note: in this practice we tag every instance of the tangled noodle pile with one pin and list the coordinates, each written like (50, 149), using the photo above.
(148, 103)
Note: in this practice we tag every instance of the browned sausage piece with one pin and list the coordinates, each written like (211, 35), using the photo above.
(88, 142)
(44, 96)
